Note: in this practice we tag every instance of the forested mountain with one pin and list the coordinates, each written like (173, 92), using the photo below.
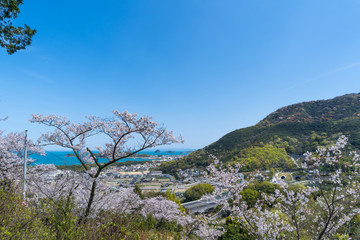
(289, 131)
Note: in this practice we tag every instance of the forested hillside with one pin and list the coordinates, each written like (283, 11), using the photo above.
(289, 131)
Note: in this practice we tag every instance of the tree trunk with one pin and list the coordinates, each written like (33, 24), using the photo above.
(90, 201)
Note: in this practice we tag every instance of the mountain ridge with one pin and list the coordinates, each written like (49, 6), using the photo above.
(295, 129)
(319, 110)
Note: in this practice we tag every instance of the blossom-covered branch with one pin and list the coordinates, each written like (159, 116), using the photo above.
(120, 130)
(12, 147)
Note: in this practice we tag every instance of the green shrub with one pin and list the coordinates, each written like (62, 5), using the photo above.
(197, 191)
(18, 220)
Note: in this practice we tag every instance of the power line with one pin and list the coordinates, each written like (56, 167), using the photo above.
(62, 159)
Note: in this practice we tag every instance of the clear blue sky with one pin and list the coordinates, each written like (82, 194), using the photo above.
(201, 67)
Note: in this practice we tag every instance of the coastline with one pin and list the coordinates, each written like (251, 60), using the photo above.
(59, 158)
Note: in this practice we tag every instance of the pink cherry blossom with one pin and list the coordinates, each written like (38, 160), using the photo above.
(119, 129)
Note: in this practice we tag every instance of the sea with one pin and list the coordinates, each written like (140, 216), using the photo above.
(61, 158)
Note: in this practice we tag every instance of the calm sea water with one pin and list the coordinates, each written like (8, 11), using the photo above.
(59, 157)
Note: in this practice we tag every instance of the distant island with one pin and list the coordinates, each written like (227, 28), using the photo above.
(174, 151)
(158, 151)
(138, 155)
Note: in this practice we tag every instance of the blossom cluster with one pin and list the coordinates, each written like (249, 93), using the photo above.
(12, 147)
(314, 210)
(47, 182)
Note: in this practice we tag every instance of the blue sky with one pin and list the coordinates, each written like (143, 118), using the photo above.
(201, 67)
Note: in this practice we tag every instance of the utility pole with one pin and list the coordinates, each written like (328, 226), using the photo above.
(25, 163)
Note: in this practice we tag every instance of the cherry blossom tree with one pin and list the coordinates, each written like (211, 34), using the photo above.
(45, 181)
(336, 193)
(208, 230)
(260, 223)
(316, 210)
(12, 155)
(161, 209)
(125, 200)
(121, 130)
(330, 200)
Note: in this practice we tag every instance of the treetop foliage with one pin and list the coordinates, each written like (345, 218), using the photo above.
(13, 38)
(197, 191)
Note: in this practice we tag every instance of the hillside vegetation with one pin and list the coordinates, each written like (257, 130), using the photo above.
(289, 131)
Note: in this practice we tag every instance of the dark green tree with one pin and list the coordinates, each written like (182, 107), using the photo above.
(138, 191)
(13, 38)
(197, 191)
(234, 231)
